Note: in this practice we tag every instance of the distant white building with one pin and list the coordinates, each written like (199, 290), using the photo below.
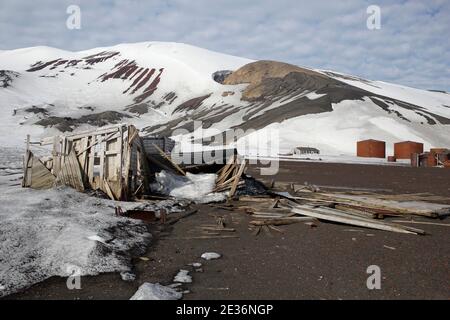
(305, 150)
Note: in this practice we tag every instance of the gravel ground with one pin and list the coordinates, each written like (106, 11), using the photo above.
(326, 262)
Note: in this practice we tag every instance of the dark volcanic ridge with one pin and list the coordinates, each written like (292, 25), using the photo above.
(67, 124)
(7, 77)
(143, 80)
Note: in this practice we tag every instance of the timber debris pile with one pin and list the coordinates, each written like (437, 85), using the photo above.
(367, 210)
(118, 163)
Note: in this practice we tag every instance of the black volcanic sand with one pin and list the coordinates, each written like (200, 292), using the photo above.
(326, 262)
(396, 179)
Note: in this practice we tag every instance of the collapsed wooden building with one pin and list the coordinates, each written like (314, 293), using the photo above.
(115, 160)
(110, 159)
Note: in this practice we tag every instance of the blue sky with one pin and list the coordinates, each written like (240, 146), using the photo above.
(411, 48)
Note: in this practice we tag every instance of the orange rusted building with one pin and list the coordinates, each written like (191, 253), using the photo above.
(434, 158)
(404, 149)
(371, 149)
(438, 156)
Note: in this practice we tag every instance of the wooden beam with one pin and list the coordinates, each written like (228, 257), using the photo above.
(238, 177)
(120, 163)
(102, 156)
(423, 222)
(48, 140)
(163, 154)
(230, 161)
(351, 220)
(91, 162)
(107, 138)
(108, 189)
(26, 179)
(281, 221)
(83, 157)
(70, 173)
(225, 173)
(100, 131)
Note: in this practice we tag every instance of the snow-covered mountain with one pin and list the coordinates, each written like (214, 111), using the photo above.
(163, 86)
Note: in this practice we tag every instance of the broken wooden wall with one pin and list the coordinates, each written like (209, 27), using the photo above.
(110, 159)
(36, 174)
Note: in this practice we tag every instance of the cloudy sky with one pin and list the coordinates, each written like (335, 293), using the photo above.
(412, 46)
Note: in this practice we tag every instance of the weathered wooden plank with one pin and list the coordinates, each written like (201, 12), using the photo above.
(226, 187)
(63, 150)
(74, 171)
(91, 162)
(238, 177)
(226, 173)
(25, 166)
(230, 162)
(70, 173)
(47, 140)
(352, 220)
(82, 157)
(112, 152)
(423, 222)
(356, 212)
(101, 131)
(102, 156)
(230, 180)
(121, 150)
(127, 164)
(281, 221)
(37, 175)
(103, 139)
(56, 155)
(164, 155)
(108, 190)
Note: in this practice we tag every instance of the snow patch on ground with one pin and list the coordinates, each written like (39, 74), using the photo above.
(151, 291)
(183, 277)
(196, 187)
(196, 264)
(52, 232)
(210, 255)
(45, 233)
(127, 276)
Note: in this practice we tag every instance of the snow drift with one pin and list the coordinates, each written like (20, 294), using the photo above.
(58, 232)
(195, 187)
